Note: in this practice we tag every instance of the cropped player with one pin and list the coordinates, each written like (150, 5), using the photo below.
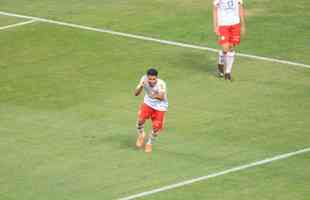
(229, 23)
(154, 107)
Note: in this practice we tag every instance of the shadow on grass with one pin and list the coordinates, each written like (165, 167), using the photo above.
(116, 140)
(198, 62)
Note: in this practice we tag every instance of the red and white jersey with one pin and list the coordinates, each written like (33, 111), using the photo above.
(228, 12)
(148, 90)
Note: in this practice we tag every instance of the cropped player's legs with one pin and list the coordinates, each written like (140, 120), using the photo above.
(229, 38)
(227, 48)
(230, 57)
(141, 134)
(143, 115)
(221, 63)
(157, 126)
(234, 40)
(223, 41)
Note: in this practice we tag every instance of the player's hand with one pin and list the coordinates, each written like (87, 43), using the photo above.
(216, 30)
(153, 94)
(141, 84)
(139, 88)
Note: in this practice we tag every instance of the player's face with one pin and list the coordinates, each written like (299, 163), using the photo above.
(152, 80)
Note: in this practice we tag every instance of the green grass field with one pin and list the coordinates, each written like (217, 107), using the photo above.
(68, 114)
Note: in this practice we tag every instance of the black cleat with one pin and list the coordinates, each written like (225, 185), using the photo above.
(228, 77)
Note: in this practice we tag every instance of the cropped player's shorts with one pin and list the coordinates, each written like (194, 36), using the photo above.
(157, 117)
(229, 34)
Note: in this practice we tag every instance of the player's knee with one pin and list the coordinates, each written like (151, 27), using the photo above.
(157, 126)
(226, 48)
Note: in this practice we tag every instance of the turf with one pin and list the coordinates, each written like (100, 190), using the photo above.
(276, 28)
(5, 21)
(268, 182)
(68, 114)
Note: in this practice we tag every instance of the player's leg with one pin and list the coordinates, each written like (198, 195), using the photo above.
(234, 40)
(221, 63)
(143, 115)
(224, 42)
(226, 49)
(230, 58)
(157, 126)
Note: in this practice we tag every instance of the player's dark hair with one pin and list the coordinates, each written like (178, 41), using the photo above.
(152, 72)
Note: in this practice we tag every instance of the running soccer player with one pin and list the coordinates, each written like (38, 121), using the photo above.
(154, 107)
(229, 23)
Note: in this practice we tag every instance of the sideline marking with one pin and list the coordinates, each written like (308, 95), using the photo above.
(17, 24)
(202, 178)
(139, 37)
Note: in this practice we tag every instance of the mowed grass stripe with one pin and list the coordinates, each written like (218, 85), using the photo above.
(139, 37)
(285, 180)
(217, 174)
(69, 98)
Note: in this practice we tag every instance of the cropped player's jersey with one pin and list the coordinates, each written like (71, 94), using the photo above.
(228, 11)
(152, 102)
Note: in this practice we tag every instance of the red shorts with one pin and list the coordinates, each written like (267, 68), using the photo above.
(229, 34)
(157, 117)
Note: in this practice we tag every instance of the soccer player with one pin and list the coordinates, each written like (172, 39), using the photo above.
(154, 107)
(229, 24)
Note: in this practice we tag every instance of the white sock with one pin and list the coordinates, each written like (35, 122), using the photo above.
(221, 59)
(229, 59)
(151, 138)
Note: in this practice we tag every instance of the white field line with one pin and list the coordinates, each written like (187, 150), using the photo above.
(139, 37)
(17, 24)
(221, 173)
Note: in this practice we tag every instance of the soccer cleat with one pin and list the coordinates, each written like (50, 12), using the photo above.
(148, 148)
(140, 141)
(227, 77)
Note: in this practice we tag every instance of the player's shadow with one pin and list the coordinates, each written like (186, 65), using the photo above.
(199, 61)
(116, 140)
(128, 142)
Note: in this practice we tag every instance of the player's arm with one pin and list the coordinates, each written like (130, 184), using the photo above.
(160, 96)
(139, 87)
(242, 17)
(215, 20)
(138, 90)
